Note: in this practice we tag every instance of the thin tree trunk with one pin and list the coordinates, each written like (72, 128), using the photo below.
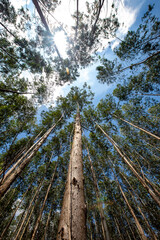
(47, 223)
(9, 178)
(46, 25)
(10, 220)
(103, 222)
(30, 206)
(29, 217)
(43, 205)
(139, 227)
(140, 171)
(153, 195)
(96, 227)
(118, 228)
(129, 224)
(146, 221)
(72, 223)
(128, 236)
(142, 129)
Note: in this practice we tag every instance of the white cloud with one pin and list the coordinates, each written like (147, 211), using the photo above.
(19, 3)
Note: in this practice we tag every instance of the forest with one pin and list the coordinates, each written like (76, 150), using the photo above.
(82, 168)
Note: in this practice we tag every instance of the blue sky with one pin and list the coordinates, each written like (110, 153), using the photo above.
(138, 8)
(129, 12)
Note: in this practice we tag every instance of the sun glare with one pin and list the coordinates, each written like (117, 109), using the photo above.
(61, 43)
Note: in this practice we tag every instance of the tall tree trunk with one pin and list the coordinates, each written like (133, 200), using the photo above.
(96, 227)
(146, 221)
(72, 223)
(44, 202)
(153, 195)
(11, 218)
(27, 222)
(103, 222)
(47, 223)
(139, 227)
(142, 129)
(118, 228)
(10, 177)
(129, 224)
(30, 207)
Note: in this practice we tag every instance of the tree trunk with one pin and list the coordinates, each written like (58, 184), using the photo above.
(140, 229)
(72, 223)
(30, 207)
(47, 223)
(103, 222)
(96, 227)
(29, 217)
(44, 202)
(118, 228)
(153, 195)
(10, 177)
(146, 221)
(10, 220)
(142, 129)
(129, 224)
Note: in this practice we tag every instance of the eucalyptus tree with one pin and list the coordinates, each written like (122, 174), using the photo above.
(142, 42)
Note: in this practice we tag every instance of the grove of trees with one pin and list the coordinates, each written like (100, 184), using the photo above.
(81, 170)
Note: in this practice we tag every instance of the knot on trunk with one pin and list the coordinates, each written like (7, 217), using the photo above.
(74, 181)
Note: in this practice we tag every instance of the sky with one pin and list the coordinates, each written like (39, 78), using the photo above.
(129, 13)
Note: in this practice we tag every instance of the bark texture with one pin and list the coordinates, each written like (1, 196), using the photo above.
(72, 223)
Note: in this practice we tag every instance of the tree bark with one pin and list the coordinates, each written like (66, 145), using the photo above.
(103, 222)
(142, 129)
(10, 177)
(72, 223)
(153, 195)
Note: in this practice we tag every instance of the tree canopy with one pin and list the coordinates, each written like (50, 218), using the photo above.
(81, 164)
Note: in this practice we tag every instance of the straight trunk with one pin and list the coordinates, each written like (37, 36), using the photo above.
(146, 221)
(47, 223)
(30, 207)
(140, 229)
(129, 225)
(103, 222)
(44, 202)
(142, 129)
(118, 228)
(10, 177)
(96, 227)
(29, 217)
(153, 195)
(72, 223)
(10, 220)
